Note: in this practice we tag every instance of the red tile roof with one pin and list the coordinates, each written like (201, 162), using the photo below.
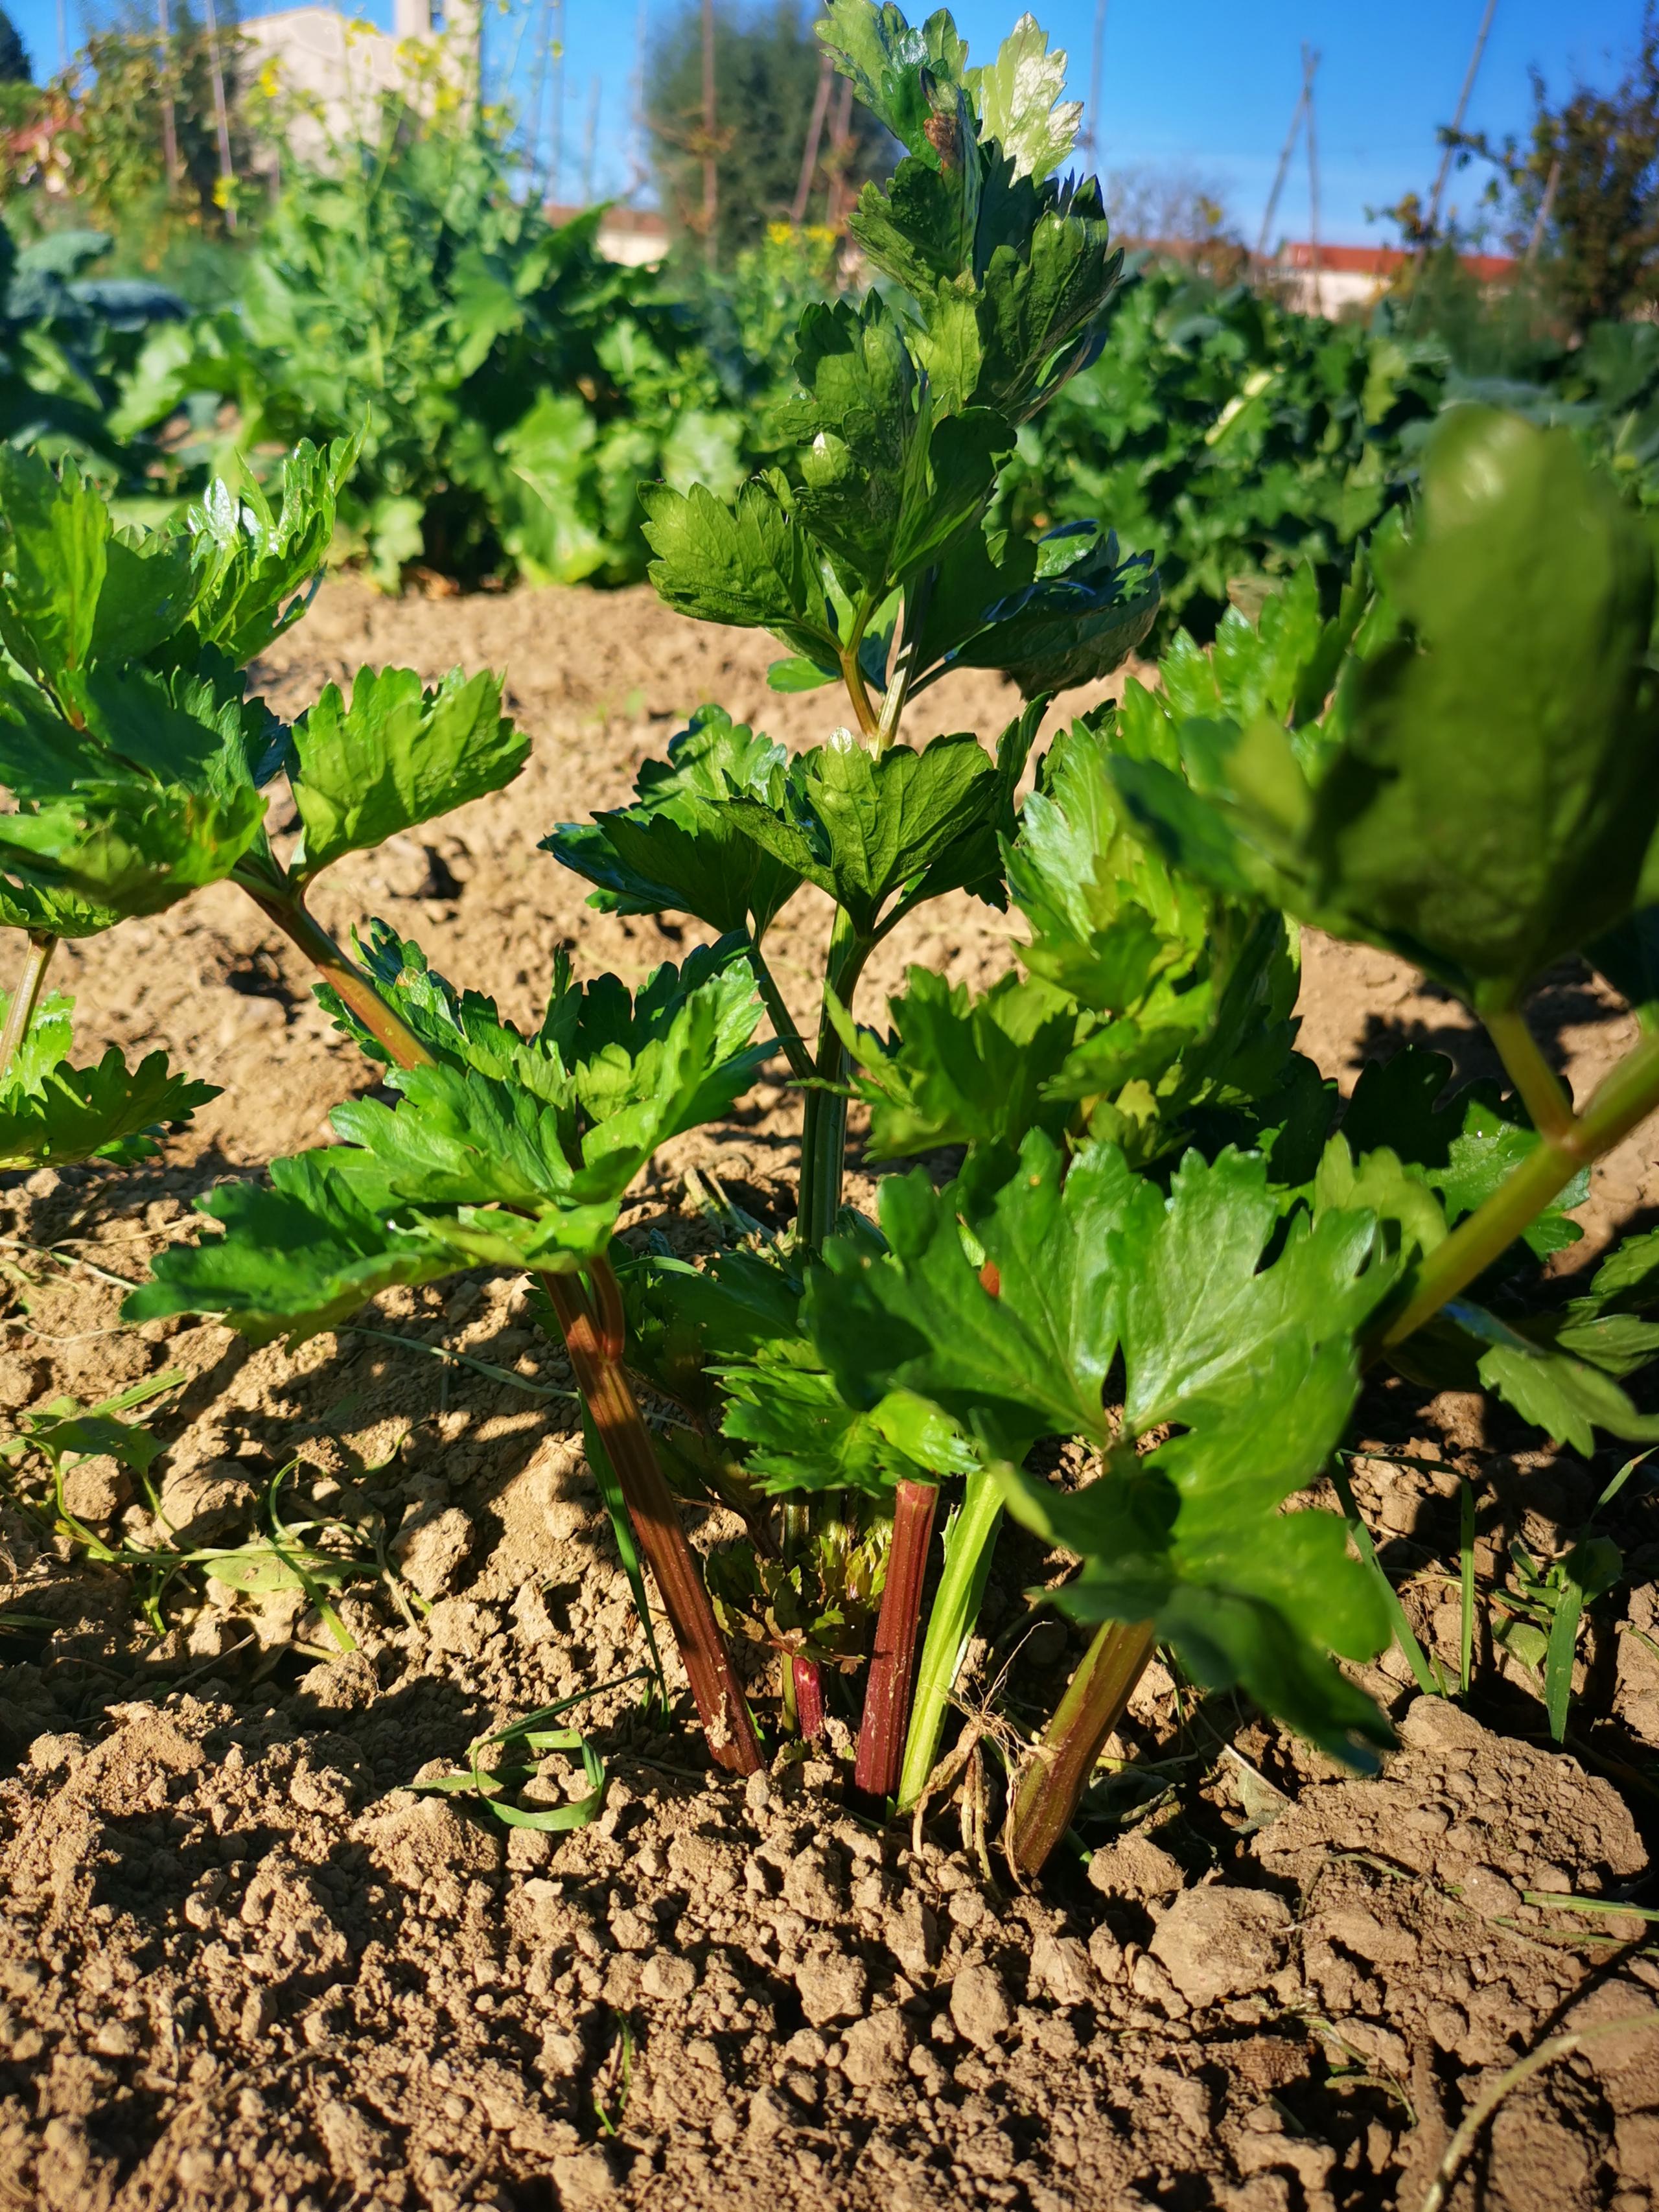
(1386, 260)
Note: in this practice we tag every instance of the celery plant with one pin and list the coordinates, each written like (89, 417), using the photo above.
(1253, 1257)
(1164, 1237)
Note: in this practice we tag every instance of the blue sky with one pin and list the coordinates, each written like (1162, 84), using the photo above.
(1206, 86)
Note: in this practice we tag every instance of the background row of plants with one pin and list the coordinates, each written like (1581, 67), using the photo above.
(510, 388)
(1136, 1312)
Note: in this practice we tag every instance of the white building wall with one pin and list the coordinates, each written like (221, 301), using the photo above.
(331, 71)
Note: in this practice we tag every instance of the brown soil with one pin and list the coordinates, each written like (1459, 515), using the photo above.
(243, 1964)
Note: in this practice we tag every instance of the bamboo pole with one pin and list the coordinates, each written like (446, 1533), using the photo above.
(1310, 64)
(591, 139)
(1545, 209)
(1284, 168)
(1470, 74)
(839, 140)
(808, 160)
(221, 118)
(1091, 135)
(556, 156)
(711, 185)
(169, 120)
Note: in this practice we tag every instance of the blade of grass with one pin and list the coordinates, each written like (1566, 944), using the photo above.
(1466, 1622)
(533, 1735)
(1560, 1903)
(1468, 2132)
(1620, 1479)
(622, 1529)
(1559, 1653)
(452, 1358)
(1424, 1672)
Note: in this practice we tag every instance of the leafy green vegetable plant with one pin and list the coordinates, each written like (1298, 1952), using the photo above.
(1153, 1177)
(138, 762)
(1166, 1243)
(510, 386)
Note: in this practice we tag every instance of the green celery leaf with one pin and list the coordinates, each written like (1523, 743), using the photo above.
(861, 828)
(57, 913)
(1019, 104)
(1465, 1141)
(676, 848)
(1254, 1367)
(1107, 915)
(684, 1322)
(856, 418)
(464, 1027)
(1025, 1361)
(295, 1259)
(459, 1138)
(750, 565)
(256, 564)
(914, 232)
(1081, 616)
(961, 1071)
(679, 1053)
(566, 1118)
(129, 846)
(892, 65)
(802, 1435)
(1567, 1397)
(1615, 1324)
(1501, 784)
(149, 589)
(1039, 310)
(45, 1043)
(1281, 664)
(516, 1151)
(395, 758)
(51, 1113)
(1488, 782)
(951, 471)
(54, 541)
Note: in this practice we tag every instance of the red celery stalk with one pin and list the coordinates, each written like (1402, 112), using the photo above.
(893, 1662)
(808, 1679)
(595, 1344)
(604, 1385)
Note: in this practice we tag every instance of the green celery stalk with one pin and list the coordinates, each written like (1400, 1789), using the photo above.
(969, 1540)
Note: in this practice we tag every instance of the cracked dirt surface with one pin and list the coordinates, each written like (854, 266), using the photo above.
(245, 1964)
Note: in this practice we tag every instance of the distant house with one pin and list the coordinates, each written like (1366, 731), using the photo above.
(637, 237)
(329, 70)
(1325, 280)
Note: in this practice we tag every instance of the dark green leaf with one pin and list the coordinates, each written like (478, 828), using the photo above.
(294, 1260)
(889, 63)
(1027, 1361)
(676, 848)
(395, 758)
(54, 538)
(861, 828)
(751, 565)
(1493, 779)
(51, 1113)
(961, 1071)
(1083, 612)
(254, 562)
